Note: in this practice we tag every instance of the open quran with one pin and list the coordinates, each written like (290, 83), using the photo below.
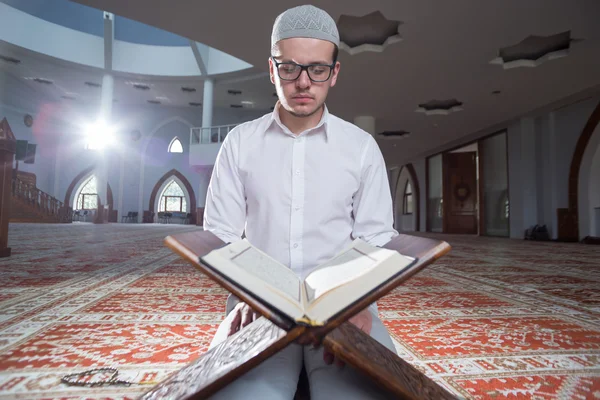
(316, 308)
(328, 289)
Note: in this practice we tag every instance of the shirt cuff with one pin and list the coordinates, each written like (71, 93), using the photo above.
(224, 236)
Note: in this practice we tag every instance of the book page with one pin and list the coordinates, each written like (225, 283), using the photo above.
(357, 273)
(268, 270)
(341, 269)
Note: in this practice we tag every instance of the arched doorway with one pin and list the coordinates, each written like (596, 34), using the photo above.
(155, 153)
(570, 219)
(80, 193)
(589, 188)
(173, 193)
(406, 200)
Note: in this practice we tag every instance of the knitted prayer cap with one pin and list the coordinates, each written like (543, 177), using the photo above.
(305, 21)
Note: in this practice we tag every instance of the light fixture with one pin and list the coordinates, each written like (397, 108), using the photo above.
(99, 135)
(9, 59)
(39, 80)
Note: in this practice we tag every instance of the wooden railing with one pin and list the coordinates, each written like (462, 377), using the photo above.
(39, 200)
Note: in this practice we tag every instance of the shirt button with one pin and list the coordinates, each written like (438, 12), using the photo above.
(297, 208)
(295, 245)
(297, 172)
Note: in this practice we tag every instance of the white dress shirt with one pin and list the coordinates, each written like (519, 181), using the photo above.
(300, 198)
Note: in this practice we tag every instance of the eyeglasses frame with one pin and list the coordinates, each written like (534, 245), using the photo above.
(304, 67)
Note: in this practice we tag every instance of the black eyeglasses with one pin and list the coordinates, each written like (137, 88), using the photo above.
(290, 71)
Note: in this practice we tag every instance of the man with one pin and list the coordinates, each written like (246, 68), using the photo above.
(301, 184)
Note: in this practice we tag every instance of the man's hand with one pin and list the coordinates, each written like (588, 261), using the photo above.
(363, 321)
(242, 315)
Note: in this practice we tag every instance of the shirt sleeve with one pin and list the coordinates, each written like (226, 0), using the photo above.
(372, 206)
(225, 210)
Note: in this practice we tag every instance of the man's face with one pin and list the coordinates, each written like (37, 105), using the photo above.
(303, 97)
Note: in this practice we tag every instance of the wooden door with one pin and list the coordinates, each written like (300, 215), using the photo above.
(460, 192)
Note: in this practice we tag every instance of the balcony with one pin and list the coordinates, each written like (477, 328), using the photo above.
(205, 143)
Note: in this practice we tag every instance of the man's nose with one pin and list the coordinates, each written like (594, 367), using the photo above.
(303, 80)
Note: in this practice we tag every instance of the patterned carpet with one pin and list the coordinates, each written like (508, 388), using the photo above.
(495, 319)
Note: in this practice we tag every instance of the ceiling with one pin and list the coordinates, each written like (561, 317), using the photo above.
(77, 83)
(442, 51)
(89, 20)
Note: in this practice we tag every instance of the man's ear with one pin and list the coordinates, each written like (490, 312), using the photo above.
(334, 74)
(271, 71)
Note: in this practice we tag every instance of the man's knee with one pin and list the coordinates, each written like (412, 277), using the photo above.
(275, 378)
(330, 381)
(380, 333)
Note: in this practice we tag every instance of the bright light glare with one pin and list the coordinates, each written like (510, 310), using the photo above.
(99, 135)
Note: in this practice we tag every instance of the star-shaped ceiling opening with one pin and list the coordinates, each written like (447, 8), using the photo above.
(399, 134)
(371, 32)
(534, 50)
(440, 107)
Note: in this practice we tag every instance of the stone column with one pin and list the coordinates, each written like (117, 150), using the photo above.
(205, 174)
(207, 110)
(101, 170)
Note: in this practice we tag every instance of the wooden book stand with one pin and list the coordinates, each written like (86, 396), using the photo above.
(272, 332)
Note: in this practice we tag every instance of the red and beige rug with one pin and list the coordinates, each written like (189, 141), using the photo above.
(494, 319)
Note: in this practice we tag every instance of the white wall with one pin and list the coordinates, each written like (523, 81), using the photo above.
(593, 186)
(127, 197)
(540, 151)
(495, 184)
(589, 188)
(419, 166)
(522, 166)
(393, 179)
(545, 143)
(436, 187)
(569, 122)
(547, 173)
(158, 162)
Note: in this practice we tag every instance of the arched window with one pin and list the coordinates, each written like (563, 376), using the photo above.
(172, 198)
(175, 146)
(407, 207)
(87, 196)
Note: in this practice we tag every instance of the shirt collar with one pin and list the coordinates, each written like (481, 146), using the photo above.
(323, 123)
